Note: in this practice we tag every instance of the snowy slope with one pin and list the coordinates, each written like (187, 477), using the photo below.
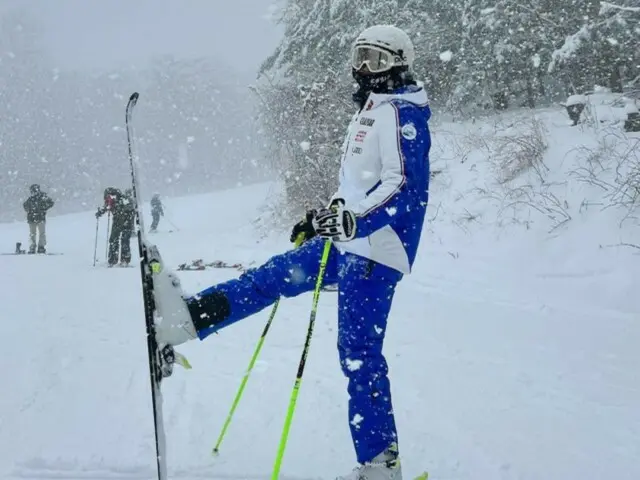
(513, 352)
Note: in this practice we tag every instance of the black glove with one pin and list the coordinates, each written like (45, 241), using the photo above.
(99, 213)
(303, 230)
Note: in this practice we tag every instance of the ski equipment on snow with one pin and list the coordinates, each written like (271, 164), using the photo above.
(20, 251)
(32, 254)
(202, 265)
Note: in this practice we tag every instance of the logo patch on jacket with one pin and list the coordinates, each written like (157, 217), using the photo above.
(409, 132)
(360, 136)
(367, 122)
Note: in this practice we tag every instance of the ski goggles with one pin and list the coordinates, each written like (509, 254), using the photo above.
(375, 58)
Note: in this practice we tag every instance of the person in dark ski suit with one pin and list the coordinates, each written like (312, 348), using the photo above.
(128, 194)
(156, 211)
(373, 223)
(122, 210)
(36, 207)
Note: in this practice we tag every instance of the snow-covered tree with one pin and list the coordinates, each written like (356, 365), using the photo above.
(306, 89)
(601, 47)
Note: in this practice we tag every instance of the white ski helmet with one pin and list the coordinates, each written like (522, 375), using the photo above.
(382, 47)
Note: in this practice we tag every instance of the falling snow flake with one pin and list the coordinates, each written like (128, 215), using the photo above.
(446, 56)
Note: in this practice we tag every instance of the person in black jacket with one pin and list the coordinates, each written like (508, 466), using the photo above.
(36, 207)
(122, 210)
(156, 211)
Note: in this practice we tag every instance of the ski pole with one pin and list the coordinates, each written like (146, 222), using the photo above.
(95, 245)
(166, 217)
(303, 361)
(171, 223)
(106, 247)
(236, 400)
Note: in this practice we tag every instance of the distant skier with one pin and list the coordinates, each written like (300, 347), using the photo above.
(123, 213)
(36, 207)
(157, 211)
(374, 222)
(128, 193)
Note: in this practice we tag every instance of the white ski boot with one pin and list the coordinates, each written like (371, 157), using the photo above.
(174, 325)
(385, 466)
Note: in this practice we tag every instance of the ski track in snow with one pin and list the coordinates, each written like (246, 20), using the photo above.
(501, 368)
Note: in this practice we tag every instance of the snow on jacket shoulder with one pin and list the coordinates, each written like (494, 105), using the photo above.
(384, 176)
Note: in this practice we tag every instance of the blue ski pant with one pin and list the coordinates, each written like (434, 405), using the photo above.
(366, 290)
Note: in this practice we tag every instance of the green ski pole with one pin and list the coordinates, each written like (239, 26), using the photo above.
(236, 400)
(303, 360)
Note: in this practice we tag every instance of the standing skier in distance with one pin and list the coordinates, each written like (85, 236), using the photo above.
(121, 208)
(374, 222)
(36, 207)
(156, 211)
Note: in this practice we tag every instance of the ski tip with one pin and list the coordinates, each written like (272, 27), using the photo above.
(215, 452)
(134, 96)
(422, 476)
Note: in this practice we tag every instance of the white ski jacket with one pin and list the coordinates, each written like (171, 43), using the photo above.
(384, 176)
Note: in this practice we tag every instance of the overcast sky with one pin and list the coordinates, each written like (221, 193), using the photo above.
(106, 33)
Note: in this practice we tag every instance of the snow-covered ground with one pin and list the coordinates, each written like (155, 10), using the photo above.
(513, 351)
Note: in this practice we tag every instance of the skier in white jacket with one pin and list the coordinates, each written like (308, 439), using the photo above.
(374, 221)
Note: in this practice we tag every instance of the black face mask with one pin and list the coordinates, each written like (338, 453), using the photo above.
(373, 82)
(385, 82)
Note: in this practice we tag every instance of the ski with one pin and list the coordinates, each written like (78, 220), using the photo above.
(154, 355)
(21, 254)
(20, 251)
(161, 362)
(202, 265)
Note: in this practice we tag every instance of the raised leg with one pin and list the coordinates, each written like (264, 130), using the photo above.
(288, 275)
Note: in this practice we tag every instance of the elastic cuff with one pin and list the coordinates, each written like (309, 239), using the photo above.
(209, 309)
